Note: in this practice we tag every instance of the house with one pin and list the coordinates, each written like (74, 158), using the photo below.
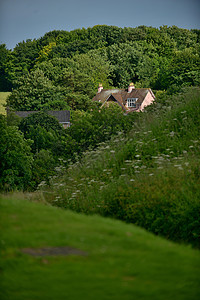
(130, 99)
(63, 116)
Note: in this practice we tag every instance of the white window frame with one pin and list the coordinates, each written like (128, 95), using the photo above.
(131, 102)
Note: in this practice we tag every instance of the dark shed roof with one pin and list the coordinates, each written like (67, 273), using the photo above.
(63, 116)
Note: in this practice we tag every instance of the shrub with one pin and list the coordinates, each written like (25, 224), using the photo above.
(16, 158)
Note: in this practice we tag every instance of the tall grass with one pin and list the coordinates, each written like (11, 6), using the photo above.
(149, 177)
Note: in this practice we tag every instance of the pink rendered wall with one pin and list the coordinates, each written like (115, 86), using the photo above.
(147, 101)
(100, 88)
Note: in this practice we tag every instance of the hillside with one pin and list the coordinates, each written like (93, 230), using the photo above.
(118, 261)
(115, 190)
(149, 177)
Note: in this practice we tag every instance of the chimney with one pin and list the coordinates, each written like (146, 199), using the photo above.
(130, 87)
(100, 88)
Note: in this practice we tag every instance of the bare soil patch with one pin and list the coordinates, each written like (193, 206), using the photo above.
(53, 251)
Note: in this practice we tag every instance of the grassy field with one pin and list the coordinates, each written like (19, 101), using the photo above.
(3, 96)
(121, 261)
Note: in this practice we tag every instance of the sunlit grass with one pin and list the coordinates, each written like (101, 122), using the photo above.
(3, 97)
(122, 262)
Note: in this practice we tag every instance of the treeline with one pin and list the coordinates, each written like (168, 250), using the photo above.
(62, 69)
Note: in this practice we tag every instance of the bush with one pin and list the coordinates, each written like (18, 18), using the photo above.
(16, 158)
(43, 167)
(165, 203)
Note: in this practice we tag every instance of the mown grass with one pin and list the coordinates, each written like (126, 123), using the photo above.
(149, 177)
(123, 261)
(3, 97)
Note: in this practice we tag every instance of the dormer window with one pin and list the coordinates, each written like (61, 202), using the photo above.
(131, 102)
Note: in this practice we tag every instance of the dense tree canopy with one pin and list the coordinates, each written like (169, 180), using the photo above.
(16, 158)
(36, 92)
(107, 53)
(61, 83)
(5, 61)
(62, 70)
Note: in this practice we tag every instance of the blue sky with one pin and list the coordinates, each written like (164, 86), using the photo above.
(29, 19)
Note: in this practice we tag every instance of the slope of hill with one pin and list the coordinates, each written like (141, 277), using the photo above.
(149, 177)
(117, 260)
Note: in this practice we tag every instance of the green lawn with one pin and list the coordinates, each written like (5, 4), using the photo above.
(3, 96)
(122, 262)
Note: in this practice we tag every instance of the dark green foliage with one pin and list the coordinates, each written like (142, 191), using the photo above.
(48, 142)
(5, 80)
(79, 101)
(13, 119)
(167, 204)
(42, 119)
(145, 55)
(61, 83)
(51, 144)
(43, 129)
(43, 167)
(15, 158)
(185, 67)
(183, 38)
(82, 40)
(37, 92)
(129, 56)
(89, 130)
(22, 60)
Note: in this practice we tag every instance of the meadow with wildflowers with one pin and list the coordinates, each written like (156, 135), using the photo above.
(149, 177)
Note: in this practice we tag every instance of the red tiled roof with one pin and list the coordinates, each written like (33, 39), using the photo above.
(121, 96)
